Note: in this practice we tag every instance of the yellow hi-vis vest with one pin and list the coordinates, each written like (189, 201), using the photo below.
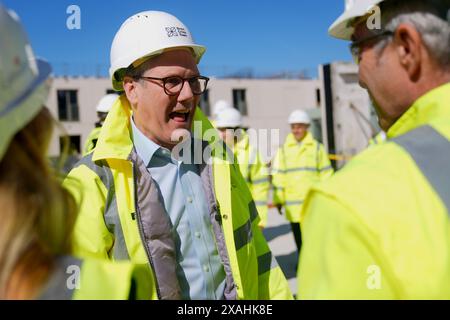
(296, 167)
(93, 279)
(122, 218)
(380, 228)
(255, 173)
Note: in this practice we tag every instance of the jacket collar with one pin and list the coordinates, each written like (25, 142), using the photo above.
(307, 140)
(243, 142)
(434, 105)
(115, 140)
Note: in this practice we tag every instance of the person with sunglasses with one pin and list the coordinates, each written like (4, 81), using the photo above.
(380, 227)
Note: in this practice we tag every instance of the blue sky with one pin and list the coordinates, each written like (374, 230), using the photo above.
(264, 36)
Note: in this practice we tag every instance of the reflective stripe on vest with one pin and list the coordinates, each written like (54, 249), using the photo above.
(431, 152)
(306, 169)
(112, 220)
(260, 203)
(259, 181)
(243, 235)
(266, 262)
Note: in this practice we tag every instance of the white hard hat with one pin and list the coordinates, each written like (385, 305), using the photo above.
(148, 34)
(342, 28)
(219, 106)
(23, 79)
(229, 118)
(105, 103)
(299, 116)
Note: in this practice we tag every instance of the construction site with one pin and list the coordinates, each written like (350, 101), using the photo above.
(165, 153)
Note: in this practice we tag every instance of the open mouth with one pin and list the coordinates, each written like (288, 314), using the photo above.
(179, 116)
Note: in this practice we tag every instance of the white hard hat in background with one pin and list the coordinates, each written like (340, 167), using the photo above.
(342, 28)
(219, 106)
(229, 118)
(105, 103)
(299, 116)
(23, 79)
(147, 34)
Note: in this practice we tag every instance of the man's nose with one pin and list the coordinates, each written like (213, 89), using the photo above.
(186, 92)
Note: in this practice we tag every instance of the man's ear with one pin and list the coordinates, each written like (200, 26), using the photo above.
(409, 45)
(130, 88)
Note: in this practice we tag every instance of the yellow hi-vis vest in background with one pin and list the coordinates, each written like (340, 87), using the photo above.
(91, 140)
(94, 279)
(296, 167)
(380, 228)
(255, 173)
(122, 218)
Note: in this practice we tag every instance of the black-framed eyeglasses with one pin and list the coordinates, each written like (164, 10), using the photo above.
(356, 46)
(174, 84)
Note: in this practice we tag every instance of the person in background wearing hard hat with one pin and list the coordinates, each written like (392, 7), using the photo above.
(218, 107)
(144, 204)
(103, 107)
(254, 171)
(380, 228)
(298, 164)
(37, 215)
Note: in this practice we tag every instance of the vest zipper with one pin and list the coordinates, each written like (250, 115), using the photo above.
(141, 232)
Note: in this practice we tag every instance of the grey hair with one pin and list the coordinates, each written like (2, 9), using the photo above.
(428, 21)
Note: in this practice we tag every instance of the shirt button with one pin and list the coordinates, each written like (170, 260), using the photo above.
(198, 234)
(206, 268)
(225, 217)
(189, 199)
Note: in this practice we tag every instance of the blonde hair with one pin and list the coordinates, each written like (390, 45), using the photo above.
(37, 214)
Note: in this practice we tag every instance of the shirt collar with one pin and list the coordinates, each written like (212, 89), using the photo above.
(145, 147)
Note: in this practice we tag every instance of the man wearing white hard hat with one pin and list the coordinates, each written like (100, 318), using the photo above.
(253, 169)
(380, 228)
(195, 224)
(37, 215)
(104, 105)
(218, 107)
(298, 164)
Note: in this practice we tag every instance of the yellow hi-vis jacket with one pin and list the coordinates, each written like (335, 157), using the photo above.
(94, 279)
(296, 167)
(255, 173)
(121, 216)
(380, 228)
(91, 140)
